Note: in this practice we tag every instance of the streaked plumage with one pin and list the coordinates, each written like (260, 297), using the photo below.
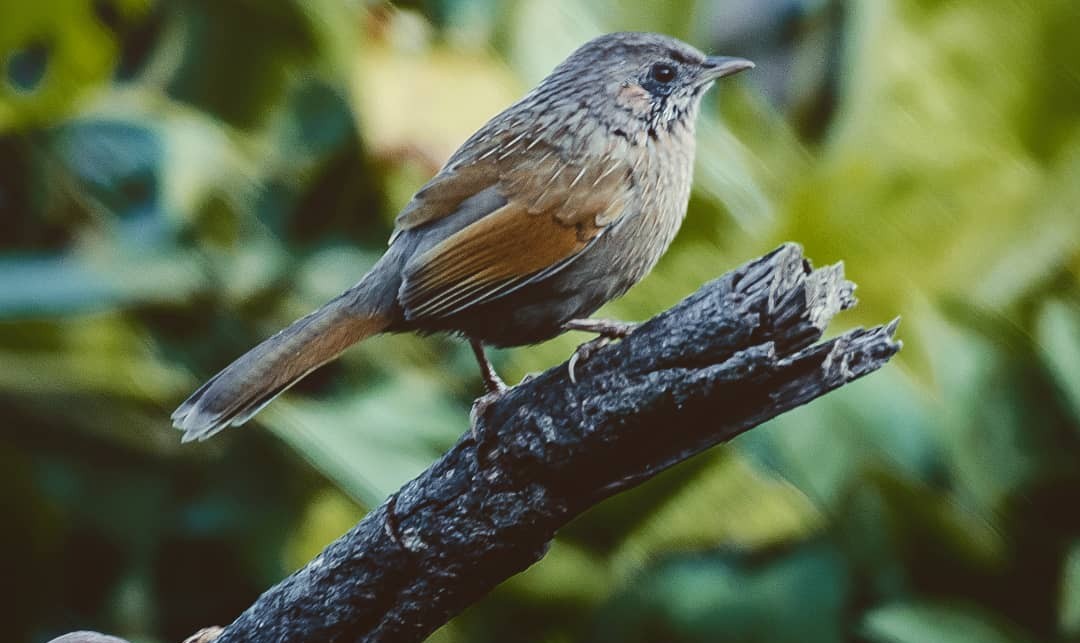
(557, 205)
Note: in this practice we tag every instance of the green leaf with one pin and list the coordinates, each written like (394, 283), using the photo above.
(373, 441)
(74, 284)
(779, 596)
(1069, 605)
(1058, 335)
(76, 53)
(567, 573)
(328, 515)
(825, 448)
(940, 623)
(98, 355)
(727, 504)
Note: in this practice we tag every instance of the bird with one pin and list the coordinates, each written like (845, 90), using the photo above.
(557, 205)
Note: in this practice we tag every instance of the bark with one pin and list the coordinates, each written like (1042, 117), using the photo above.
(743, 349)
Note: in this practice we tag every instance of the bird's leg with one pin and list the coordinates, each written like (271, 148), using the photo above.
(607, 329)
(494, 384)
(492, 381)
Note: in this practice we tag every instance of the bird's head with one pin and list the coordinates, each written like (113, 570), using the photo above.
(644, 80)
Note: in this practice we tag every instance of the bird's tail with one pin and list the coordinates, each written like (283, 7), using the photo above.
(244, 387)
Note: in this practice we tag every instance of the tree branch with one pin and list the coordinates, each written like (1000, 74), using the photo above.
(736, 353)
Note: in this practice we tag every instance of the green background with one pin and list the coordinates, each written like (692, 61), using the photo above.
(180, 179)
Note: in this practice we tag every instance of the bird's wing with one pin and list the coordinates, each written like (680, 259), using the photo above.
(549, 212)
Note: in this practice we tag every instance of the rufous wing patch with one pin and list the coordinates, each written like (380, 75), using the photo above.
(554, 211)
(483, 260)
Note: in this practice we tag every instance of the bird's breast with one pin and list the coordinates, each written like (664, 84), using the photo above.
(661, 191)
(658, 190)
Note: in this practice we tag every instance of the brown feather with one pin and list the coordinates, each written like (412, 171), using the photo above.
(443, 194)
(497, 250)
(240, 390)
(547, 221)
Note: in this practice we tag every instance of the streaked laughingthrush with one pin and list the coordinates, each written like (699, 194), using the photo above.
(557, 205)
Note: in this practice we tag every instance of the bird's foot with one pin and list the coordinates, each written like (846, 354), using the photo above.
(583, 353)
(607, 329)
(496, 388)
(480, 407)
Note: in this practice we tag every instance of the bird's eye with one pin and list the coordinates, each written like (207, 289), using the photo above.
(662, 73)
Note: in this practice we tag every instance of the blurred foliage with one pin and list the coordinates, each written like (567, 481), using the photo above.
(180, 179)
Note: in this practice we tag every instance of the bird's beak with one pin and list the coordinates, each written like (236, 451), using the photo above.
(720, 66)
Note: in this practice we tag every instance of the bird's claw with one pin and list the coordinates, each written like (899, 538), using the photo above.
(608, 329)
(479, 407)
(584, 352)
